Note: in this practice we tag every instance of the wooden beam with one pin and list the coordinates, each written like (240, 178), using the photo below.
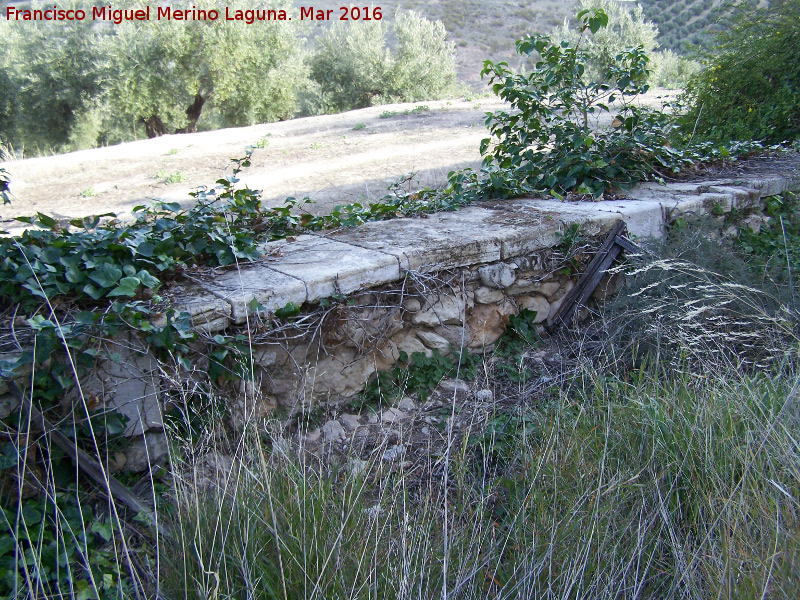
(605, 257)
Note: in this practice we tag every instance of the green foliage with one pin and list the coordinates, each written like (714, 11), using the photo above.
(73, 85)
(103, 258)
(520, 336)
(50, 75)
(57, 547)
(751, 86)
(685, 25)
(174, 177)
(424, 60)
(248, 74)
(5, 182)
(500, 438)
(685, 481)
(627, 28)
(548, 143)
(776, 246)
(353, 66)
(418, 374)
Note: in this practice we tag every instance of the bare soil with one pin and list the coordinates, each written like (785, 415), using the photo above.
(333, 159)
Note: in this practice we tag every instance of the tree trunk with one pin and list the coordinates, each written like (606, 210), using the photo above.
(155, 127)
(193, 114)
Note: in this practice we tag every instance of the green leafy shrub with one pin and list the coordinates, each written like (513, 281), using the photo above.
(418, 374)
(57, 547)
(5, 182)
(548, 143)
(354, 67)
(776, 246)
(751, 86)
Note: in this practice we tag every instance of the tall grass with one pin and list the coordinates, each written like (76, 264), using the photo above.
(664, 464)
(662, 486)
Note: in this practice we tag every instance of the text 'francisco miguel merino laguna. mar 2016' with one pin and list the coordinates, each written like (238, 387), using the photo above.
(168, 13)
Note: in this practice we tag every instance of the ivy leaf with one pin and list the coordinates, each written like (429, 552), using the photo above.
(106, 277)
(92, 291)
(128, 286)
(148, 280)
(290, 310)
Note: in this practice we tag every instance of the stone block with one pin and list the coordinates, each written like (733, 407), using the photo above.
(271, 289)
(487, 295)
(144, 451)
(209, 313)
(327, 266)
(407, 342)
(498, 276)
(434, 341)
(441, 241)
(536, 303)
(487, 323)
(444, 310)
(333, 430)
(130, 386)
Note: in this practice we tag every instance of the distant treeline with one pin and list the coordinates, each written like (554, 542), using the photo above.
(67, 85)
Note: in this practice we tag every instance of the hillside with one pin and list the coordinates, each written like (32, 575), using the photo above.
(334, 159)
(684, 24)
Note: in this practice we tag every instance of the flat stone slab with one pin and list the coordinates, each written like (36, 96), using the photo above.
(438, 242)
(328, 266)
(269, 288)
(315, 266)
(208, 312)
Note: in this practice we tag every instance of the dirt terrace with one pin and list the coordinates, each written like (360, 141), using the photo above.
(333, 159)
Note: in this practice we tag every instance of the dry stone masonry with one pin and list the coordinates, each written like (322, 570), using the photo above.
(366, 294)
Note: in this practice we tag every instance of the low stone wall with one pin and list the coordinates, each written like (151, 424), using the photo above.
(364, 295)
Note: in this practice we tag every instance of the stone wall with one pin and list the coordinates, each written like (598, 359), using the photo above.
(366, 294)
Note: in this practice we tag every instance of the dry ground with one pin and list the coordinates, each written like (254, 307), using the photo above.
(334, 159)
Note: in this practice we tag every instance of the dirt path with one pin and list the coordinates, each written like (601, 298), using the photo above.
(334, 159)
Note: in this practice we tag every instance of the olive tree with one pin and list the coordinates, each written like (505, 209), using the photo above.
(168, 72)
(628, 29)
(50, 73)
(355, 66)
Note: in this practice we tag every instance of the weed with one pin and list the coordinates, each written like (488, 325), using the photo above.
(316, 145)
(172, 151)
(175, 177)
(262, 143)
(88, 192)
(359, 126)
(388, 114)
(5, 183)
(418, 374)
(417, 110)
